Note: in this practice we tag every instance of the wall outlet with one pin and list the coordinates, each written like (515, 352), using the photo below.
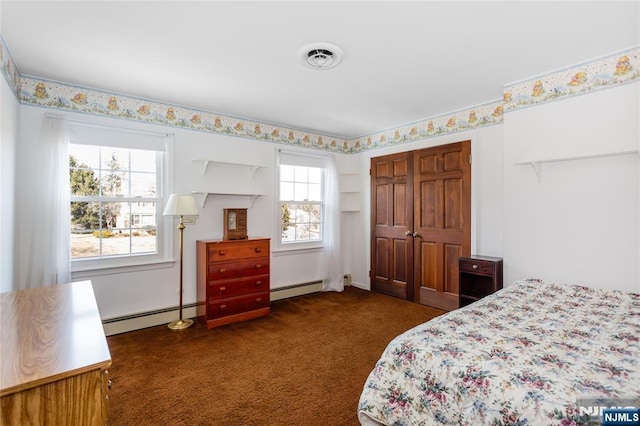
(347, 280)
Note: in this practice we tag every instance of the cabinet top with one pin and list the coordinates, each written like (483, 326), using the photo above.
(216, 241)
(48, 334)
(480, 257)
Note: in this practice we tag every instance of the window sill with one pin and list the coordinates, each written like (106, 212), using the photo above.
(86, 271)
(286, 251)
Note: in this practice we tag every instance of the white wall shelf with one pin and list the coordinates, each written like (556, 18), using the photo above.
(349, 192)
(203, 195)
(204, 163)
(537, 165)
(241, 177)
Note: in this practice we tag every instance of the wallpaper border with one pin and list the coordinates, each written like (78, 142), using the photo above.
(64, 96)
(618, 68)
(482, 115)
(615, 69)
(9, 71)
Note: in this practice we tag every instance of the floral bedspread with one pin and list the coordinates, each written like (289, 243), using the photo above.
(525, 355)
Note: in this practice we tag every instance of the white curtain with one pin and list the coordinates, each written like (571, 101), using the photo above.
(42, 236)
(334, 272)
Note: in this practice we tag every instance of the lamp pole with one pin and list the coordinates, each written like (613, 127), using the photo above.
(180, 324)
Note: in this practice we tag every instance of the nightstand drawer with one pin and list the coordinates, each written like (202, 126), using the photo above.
(226, 271)
(224, 289)
(476, 266)
(220, 308)
(233, 250)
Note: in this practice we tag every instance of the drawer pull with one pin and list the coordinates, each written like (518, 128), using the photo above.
(223, 307)
(258, 250)
(222, 252)
(258, 266)
(258, 299)
(222, 270)
(222, 290)
(258, 283)
(475, 266)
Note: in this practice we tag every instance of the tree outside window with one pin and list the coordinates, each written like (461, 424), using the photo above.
(113, 201)
(301, 203)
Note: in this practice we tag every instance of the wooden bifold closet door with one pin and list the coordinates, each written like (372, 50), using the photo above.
(421, 223)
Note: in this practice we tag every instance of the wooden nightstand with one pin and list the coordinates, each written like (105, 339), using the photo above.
(480, 276)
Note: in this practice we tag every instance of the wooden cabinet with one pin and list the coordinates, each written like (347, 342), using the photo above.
(480, 276)
(233, 280)
(54, 357)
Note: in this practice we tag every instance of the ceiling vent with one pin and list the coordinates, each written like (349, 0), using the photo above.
(320, 56)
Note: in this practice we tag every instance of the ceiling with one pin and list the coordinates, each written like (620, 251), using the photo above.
(403, 61)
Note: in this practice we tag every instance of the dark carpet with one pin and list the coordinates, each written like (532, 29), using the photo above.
(305, 364)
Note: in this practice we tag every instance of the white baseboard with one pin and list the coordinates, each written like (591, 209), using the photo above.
(360, 286)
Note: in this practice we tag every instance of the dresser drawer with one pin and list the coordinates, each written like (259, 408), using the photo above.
(224, 289)
(234, 250)
(476, 266)
(239, 269)
(220, 308)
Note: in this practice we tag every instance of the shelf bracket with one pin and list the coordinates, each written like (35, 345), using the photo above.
(253, 170)
(205, 165)
(537, 167)
(201, 198)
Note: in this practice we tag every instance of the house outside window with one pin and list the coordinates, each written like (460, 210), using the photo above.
(116, 198)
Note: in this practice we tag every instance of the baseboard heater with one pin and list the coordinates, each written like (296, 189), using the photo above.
(147, 313)
(296, 290)
(125, 323)
(276, 294)
(146, 319)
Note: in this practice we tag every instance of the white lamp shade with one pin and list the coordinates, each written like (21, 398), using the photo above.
(181, 205)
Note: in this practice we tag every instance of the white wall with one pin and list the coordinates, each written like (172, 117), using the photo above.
(580, 224)
(121, 294)
(486, 198)
(9, 122)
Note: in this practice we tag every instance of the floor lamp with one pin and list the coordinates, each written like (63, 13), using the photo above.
(180, 205)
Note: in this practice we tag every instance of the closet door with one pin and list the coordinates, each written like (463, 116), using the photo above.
(391, 223)
(442, 221)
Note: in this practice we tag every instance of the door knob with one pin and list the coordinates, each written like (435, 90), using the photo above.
(408, 233)
(415, 234)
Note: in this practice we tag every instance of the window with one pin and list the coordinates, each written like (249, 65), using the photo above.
(116, 197)
(301, 200)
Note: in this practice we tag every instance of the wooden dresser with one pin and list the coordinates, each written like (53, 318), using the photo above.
(54, 357)
(233, 280)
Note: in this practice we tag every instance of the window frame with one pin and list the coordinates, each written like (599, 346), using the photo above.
(163, 256)
(304, 159)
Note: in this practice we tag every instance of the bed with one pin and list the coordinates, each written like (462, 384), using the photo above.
(536, 352)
